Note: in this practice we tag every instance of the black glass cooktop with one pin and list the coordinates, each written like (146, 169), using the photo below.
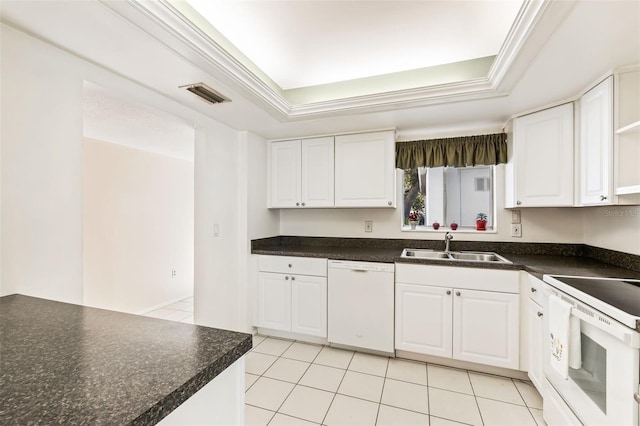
(619, 293)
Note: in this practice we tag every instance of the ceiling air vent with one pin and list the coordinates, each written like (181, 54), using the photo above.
(206, 93)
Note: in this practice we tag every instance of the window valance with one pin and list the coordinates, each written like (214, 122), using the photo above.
(453, 152)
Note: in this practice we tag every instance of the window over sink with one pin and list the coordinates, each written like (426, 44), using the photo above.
(452, 197)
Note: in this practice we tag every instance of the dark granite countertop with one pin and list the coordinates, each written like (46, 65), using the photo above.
(68, 364)
(536, 258)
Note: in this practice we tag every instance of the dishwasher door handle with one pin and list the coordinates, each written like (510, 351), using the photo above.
(359, 270)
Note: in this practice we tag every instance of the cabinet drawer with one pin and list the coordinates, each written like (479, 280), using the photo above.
(534, 289)
(451, 276)
(293, 265)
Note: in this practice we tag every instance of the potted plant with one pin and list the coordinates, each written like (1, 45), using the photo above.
(414, 218)
(481, 222)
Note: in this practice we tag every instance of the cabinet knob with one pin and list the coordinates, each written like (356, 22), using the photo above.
(540, 314)
(286, 278)
(297, 204)
(636, 396)
(602, 198)
(448, 292)
(293, 278)
(290, 265)
(457, 293)
(518, 202)
(303, 204)
(390, 203)
(533, 289)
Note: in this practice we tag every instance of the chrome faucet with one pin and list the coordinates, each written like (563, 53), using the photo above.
(447, 240)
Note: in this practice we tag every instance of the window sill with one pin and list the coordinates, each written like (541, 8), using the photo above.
(444, 230)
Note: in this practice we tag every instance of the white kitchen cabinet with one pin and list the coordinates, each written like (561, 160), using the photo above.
(420, 308)
(274, 301)
(627, 135)
(365, 170)
(466, 314)
(540, 170)
(535, 314)
(302, 173)
(485, 327)
(309, 305)
(595, 145)
(292, 295)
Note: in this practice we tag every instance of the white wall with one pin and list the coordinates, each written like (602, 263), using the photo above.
(613, 228)
(138, 226)
(41, 167)
(560, 225)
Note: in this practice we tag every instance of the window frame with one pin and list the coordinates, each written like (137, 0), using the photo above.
(443, 229)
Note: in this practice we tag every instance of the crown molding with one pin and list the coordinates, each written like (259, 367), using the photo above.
(173, 29)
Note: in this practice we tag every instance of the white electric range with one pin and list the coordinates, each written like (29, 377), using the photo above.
(604, 388)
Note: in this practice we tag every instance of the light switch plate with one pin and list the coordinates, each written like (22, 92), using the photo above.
(515, 216)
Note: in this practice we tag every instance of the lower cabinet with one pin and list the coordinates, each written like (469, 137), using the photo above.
(466, 324)
(291, 301)
(535, 330)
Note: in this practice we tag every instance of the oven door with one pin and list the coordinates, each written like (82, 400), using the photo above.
(601, 392)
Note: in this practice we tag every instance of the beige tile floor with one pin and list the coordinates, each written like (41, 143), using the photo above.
(181, 311)
(295, 383)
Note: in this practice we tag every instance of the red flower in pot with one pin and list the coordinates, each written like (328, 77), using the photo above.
(481, 222)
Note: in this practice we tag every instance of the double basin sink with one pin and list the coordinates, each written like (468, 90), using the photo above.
(463, 256)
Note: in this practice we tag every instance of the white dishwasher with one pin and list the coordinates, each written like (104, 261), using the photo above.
(361, 305)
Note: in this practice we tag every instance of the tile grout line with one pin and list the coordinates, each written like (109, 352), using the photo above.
(353, 354)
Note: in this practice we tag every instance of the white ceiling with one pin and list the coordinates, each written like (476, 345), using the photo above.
(564, 46)
(109, 118)
(307, 43)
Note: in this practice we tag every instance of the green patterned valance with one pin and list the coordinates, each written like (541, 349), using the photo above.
(453, 152)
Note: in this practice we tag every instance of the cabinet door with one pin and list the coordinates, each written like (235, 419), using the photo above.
(596, 145)
(365, 170)
(274, 301)
(534, 311)
(541, 170)
(424, 319)
(485, 327)
(317, 172)
(309, 305)
(285, 172)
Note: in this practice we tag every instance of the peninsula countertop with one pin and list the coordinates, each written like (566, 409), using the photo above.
(68, 364)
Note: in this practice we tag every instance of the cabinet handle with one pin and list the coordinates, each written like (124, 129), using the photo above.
(297, 204)
(293, 278)
(303, 204)
(518, 202)
(448, 292)
(286, 278)
(540, 314)
(636, 396)
(457, 293)
(533, 289)
(602, 198)
(389, 203)
(290, 265)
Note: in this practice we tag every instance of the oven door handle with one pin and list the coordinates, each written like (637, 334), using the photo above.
(620, 332)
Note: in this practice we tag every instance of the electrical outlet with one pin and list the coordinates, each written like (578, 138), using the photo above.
(368, 226)
(515, 216)
(173, 273)
(516, 230)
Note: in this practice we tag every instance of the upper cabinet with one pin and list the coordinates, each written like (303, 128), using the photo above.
(627, 135)
(301, 173)
(357, 170)
(595, 145)
(365, 170)
(540, 169)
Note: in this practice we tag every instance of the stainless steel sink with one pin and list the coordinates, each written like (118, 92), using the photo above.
(424, 254)
(460, 256)
(478, 256)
